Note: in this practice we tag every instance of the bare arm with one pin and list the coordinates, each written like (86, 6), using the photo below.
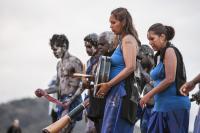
(52, 90)
(42, 92)
(77, 94)
(196, 79)
(187, 87)
(129, 49)
(170, 62)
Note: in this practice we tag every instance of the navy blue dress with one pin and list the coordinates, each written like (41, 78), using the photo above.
(112, 121)
(170, 112)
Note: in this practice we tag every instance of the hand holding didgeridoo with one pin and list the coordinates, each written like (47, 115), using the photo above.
(65, 120)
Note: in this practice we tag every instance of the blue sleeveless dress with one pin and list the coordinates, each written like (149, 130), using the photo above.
(112, 121)
(170, 112)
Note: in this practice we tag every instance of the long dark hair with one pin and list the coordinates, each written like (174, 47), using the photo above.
(123, 15)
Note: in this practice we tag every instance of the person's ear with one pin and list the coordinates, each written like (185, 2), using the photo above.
(123, 23)
(163, 37)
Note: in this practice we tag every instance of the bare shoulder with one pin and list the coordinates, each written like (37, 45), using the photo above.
(75, 60)
(170, 55)
(169, 52)
(129, 39)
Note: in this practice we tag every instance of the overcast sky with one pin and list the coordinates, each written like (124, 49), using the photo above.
(27, 25)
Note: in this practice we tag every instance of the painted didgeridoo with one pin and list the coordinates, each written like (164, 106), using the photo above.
(65, 120)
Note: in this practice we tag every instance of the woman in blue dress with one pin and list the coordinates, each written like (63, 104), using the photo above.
(123, 63)
(171, 110)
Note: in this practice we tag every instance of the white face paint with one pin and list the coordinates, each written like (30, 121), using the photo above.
(58, 51)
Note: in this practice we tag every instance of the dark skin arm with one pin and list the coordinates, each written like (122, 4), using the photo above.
(40, 92)
(52, 90)
(188, 86)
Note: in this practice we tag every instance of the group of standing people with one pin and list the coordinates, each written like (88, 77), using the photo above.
(115, 107)
(102, 45)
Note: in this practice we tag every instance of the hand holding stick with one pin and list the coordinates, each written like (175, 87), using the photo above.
(41, 92)
(65, 120)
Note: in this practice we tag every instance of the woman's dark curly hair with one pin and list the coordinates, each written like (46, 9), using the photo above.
(59, 40)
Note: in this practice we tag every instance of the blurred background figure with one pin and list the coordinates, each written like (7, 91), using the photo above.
(15, 127)
(52, 106)
(147, 63)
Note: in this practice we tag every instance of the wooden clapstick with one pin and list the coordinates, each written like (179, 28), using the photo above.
(82, 75)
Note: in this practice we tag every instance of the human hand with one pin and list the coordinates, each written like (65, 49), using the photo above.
(86, 84)
(67, 103)
(39, 92)
(186, 88)
(144, 100)
(103, 89)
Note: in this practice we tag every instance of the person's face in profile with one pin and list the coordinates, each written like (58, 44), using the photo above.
(157, 42)
(115, 25)
(58, 51)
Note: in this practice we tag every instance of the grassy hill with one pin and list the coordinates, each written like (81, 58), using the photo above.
(32, 113)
